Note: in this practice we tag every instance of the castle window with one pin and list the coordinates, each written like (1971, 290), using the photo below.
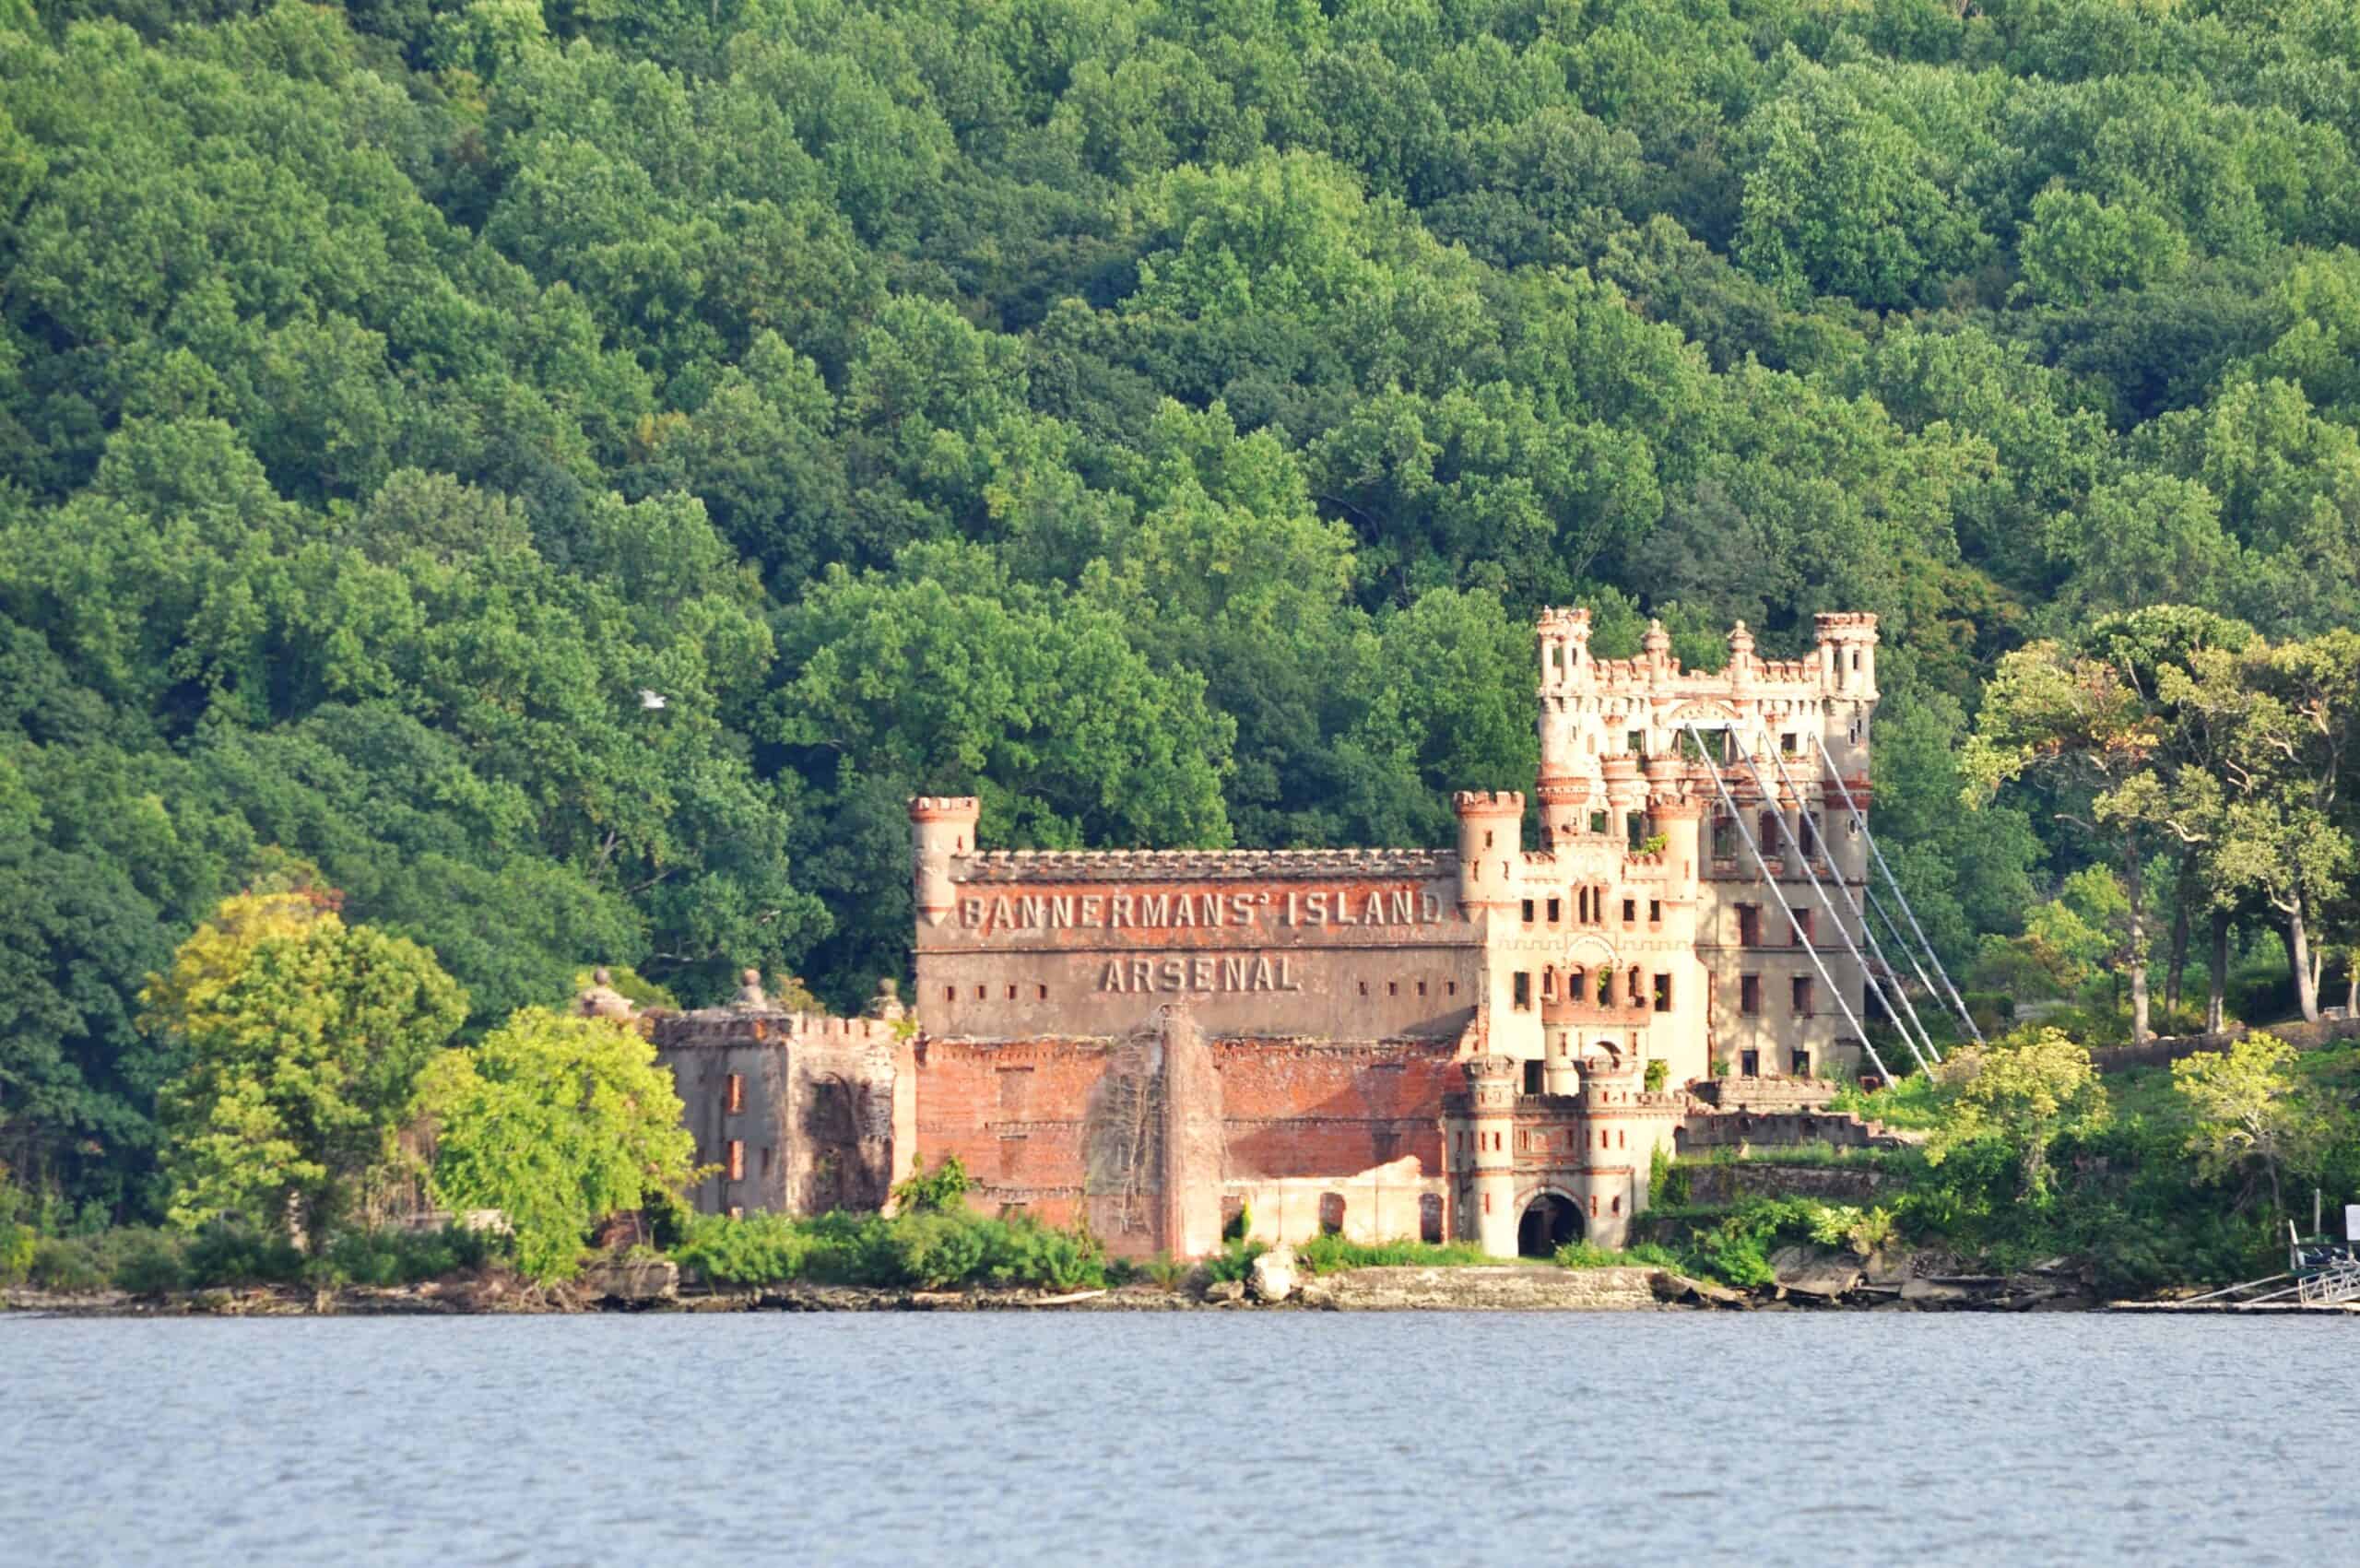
(1749, 925)
(737, 1159)
(1771, 826)
(1724, 836)
(1593, 1206)
(1487, 838)
(1749, 994)
(1635, 742)
(1528, 911)
(1450, 987)
(1598, 822)
(1663, 993)
(979, 993)
(1605, 986)
(1363, 988)
(1011, 993)
(1601, 1137)
(1615, 1207)
(1803, 927)
(737, 1100)
(1532, 1078)
(1574, 992)
(1430, 1218)
(1855, 732)
(1630, 912)
(766, 1160)
(1786, 743)
(1800, 1062)
(1332, 1214)
(1620, 1139)
(1392, 988)
(1855, 658)
(1552, 910)
(951, 992)
(1042, 993)
(1802, 996)
(1548, 984)
(1421, 987)
(1523, 989)
(1812, 847)
(1637, 994)
(1655, 912)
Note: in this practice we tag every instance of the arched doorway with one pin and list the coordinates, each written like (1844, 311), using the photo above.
(1548, 1225)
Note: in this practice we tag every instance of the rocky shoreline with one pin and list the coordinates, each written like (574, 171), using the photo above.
(1808, 1279)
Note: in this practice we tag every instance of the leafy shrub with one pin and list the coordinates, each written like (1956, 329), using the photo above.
(67, 1263)
(1234, 1260)
(1590, 1255)
(927, 1250)
(935, 1191)
(1325, 1255)
(150, 1264)
(1657, 1073)
(227, 1253)
(391, 1257)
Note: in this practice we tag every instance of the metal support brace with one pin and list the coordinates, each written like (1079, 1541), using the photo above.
(1770, 879)
(1892, 929)
(1828, 904)
(1890, 986)
(1829, 763)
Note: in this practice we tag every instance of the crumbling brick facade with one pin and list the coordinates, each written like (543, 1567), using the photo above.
(1389, 1042)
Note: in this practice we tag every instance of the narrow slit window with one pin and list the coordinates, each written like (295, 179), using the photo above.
(737, 1093)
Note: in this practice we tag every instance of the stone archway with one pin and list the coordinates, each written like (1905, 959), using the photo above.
(1549, 1222)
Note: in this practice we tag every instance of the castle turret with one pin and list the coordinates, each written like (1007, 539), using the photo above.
(1491, 1088)
(1491, 841)
(1847, 680)
(942, 828)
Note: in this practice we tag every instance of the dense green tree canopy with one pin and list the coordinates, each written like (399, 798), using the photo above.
(565, 470)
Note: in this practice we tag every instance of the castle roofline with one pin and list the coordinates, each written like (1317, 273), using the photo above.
(1209, 865)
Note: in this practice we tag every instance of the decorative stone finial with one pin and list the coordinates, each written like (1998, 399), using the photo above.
(887, 1003)
(749, 990)
(600, 999)
(1657, 640)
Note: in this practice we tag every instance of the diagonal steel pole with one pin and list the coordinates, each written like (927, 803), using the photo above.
(1892, 983)
(1770, 880)
(1898, 896)
(1834, 918)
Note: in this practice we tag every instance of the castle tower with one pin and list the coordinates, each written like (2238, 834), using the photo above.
(1847, 680)
(1565, 673)
(1490, 842)
(942, 828)
(1492, 1088)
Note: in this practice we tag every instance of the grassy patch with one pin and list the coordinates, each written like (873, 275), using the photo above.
(1328, 1254)
(927, 1250)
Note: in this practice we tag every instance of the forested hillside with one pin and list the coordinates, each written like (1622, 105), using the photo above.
(568, 471)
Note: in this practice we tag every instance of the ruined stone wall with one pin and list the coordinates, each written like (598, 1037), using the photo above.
(809, 1126)
(1724, 1129)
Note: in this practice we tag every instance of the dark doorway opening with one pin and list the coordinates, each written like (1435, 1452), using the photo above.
(1549, 1223)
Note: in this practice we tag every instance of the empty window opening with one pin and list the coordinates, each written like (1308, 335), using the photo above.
(1655, 912)
(1605, 986)
(1787, 744)
(1802, 996)
(1663, 993)
(766, 1160)
(1598, 822)
(1574, 992)
(1332, 1214)
(1637, 993)
(1392, 988)
(1450, 987)
(1532, 1078)
(1363, 988)
(1749, 994)
(1523, 988)
(1749, 1064)
(1634, 831)
(1724, 836)
(1615, 1207)
(1552, 910)
(979, 993)
(1548, 985)
(1421, 987)
(1811, 836)
(1630, 912)
(1799, 1064)
(1430, 1218)
(1803, 928)
(1011, 993)
(737, 1092)
(1487, 838)
(737, 1159)
(951, 992)
(1041, 993)
(1771, 826)
(1749, 925)
(1528, 911)
(1635, 742)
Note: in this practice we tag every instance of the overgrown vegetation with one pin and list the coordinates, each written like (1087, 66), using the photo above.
(926, 1249)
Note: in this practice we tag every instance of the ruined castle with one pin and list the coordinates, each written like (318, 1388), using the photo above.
(1486, 1043)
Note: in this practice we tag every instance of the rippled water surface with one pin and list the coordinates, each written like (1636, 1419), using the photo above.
(1237, 1438)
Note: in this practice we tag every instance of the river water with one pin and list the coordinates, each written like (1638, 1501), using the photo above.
(1235, 1438)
